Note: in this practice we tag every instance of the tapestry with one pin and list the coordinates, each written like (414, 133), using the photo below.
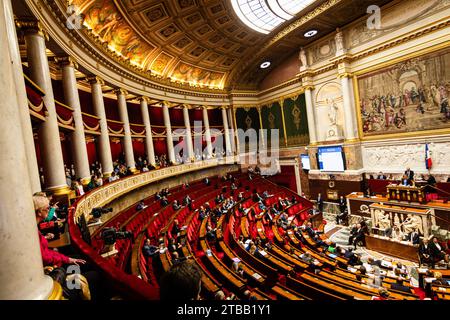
(296, 121)
(406, 97)
(273, 120)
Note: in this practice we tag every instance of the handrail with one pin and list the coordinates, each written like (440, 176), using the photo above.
(438, 189)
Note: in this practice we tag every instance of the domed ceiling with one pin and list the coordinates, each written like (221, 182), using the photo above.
(203, 42)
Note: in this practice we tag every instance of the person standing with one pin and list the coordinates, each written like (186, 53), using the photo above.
(320, 202)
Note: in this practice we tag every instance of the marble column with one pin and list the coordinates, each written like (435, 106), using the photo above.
(188, 136)
(349, 111)
(21, 268)
(128, 142)
(209, 149)
(233, 129)
(99, 109)
(27, 129)
(169, 137)
(148, 131)
(310, 114)
(72, 99)
(226, 133)
(298, 181)
(49, 140)
(236, 135)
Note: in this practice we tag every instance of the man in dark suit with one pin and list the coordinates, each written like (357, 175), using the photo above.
(424, 252)
(374, 262)
(381, 176)
(414, 237)
(357, 235)
(343, 208)
(436, 251)
(409, 174)
(320, 202)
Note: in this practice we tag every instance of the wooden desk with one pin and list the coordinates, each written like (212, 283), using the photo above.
(406, 193)
(392, 248)
(64, 240)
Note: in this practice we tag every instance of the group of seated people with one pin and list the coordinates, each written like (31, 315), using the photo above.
(408, 178)
(432, 253)
(56, 264)
(162, 197)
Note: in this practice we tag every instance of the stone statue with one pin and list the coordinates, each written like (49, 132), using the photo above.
(412, 223)
(339, 39)
(384, 222)
(396, 220)
(332, 112)
(303, 59)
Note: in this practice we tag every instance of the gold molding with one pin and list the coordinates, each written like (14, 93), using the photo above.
(284, 123)
(66, 61)
(59, 191)
(120, 92)
(95, 79)
(32, 27)
(57, 292)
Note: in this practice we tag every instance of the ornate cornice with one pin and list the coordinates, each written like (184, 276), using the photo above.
(66, 61)
(95, 79)
(120, 92)
(32, 27)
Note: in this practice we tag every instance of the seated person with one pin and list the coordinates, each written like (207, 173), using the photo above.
(140, 206)
(181, 282)
(371, 261)
(414, 237)
(261, 206)
(341, 217)
(175, 229)
(148, 249)
(257, 197)
(175, 205)
(381, 176)
(383, 294)
(436, 251)
(207, 182)
(240, 196)
(405, 181)
(202, 213)
(164, 202)
(210, 233)
(424, 252)
(439, 280)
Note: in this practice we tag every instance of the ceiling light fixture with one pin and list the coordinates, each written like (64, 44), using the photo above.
(310, 33)
(265, 65)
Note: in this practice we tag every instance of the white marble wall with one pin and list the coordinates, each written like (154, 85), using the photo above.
(395, 156)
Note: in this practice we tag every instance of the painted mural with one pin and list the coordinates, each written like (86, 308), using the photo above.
(296, 121)
(104, 19)
(406, 97)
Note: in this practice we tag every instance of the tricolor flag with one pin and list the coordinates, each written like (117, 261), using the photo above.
(428, 161)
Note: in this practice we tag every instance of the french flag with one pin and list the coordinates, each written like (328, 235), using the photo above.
(428, 161)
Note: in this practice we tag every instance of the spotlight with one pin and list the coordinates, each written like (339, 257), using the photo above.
(310, 33)
(265, 65)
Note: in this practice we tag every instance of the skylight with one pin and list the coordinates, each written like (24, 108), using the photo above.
(265, 15)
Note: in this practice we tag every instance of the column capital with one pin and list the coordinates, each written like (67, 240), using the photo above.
(186, 106)
(66, 61)
(95, 79)
(166, 104)
(120, 91)
(32, 27)
(224, 107)
(345, 75)
(143, 98)
(309, 87)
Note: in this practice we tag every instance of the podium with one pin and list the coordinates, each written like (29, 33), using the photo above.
(406, 193)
